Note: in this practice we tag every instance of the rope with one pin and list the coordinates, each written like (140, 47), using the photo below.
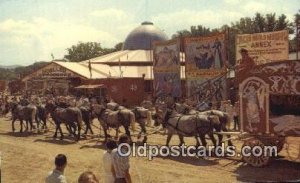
(208, 82)
(147, 134)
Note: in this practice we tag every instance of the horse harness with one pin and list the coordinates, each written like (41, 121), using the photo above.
(188, 134)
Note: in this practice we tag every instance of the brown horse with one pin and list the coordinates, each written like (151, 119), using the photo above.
(115, 119)
(223, 118)
(71, 116)
(187, 125)
(21, 113)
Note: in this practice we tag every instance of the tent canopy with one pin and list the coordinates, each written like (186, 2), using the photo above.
(90, 86)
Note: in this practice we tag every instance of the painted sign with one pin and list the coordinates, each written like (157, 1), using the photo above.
(263, 47)
(254, 106)
(212, 90)
(283, 77)
(205, 60)
(166, 68)
(270, 99)
(51, 71)
(205, 56)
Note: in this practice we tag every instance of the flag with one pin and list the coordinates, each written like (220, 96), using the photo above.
(120, 68)
(90, 68)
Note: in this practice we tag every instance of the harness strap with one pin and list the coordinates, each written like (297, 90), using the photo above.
(177, 123)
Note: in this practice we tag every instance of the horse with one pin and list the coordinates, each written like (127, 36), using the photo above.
(71, 116)
(27, 113)
(186, 125)
(115, 119)
(41, 115)
(86, 117)
(223, 118)
(143, 117)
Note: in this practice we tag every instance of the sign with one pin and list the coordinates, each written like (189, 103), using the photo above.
(264, 47)
(254, 106)
(166, 68)
(51, 71)
(205, 60)
(205, 56)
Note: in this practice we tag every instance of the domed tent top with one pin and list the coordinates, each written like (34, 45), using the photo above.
(142, 37)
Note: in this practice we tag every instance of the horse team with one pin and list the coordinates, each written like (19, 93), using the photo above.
(179, 119)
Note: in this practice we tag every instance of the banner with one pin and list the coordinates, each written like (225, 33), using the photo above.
(205, 59)
(263, 47)
(166, 68)
(205, 56)
(207, 89)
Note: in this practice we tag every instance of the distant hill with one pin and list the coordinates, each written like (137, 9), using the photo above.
(17, 71)
(9, 66)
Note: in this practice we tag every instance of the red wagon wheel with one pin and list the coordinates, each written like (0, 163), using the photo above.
(256, 161)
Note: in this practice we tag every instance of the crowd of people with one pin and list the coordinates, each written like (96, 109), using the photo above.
(116, 166)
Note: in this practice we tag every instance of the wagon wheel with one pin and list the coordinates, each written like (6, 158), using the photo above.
(256, 161)
(275, 141)
(278, 142)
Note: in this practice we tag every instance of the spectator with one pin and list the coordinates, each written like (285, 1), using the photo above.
(236, 113)
(57, 175)
(107, 162)
(88, 177)
(120, 168)
(247, 63)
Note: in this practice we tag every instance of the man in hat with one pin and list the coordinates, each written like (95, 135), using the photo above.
(247, 62)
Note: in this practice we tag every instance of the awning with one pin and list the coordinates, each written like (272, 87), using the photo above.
(90, 86)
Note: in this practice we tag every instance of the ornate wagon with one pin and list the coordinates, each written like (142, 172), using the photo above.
(269, 98)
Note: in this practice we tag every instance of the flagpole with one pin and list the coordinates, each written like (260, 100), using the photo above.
(90, 69)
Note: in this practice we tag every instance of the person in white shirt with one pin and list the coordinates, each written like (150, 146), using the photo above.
(107, 161)
(120, 163)
(57, 175)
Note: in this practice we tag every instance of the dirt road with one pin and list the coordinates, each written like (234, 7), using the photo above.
(27, 158)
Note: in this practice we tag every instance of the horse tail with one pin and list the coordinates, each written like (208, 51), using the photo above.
(149, 116)
(132, 120)
(34, 114)
(79, 119)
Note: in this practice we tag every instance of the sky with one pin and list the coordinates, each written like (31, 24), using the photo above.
(32, 30)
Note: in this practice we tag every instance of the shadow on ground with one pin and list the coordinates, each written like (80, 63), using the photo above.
(275, 171)
(19, 134)
(66, 141)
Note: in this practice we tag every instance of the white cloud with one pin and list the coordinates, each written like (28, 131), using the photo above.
(113, 20)
(111, 13)
(254, 6)
(38, 38)
(185, 18)
(232, 2)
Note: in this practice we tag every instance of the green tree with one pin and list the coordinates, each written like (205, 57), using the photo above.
(119, 46)
(84, 51)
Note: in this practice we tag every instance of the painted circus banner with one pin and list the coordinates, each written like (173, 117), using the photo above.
(205, 56)
(264, 47)
(166, 68)
(205, 59)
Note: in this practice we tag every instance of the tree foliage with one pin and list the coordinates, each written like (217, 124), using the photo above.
(84, 51)
(20, 71)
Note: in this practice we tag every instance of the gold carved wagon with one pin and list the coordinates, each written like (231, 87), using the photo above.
(269, 98)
